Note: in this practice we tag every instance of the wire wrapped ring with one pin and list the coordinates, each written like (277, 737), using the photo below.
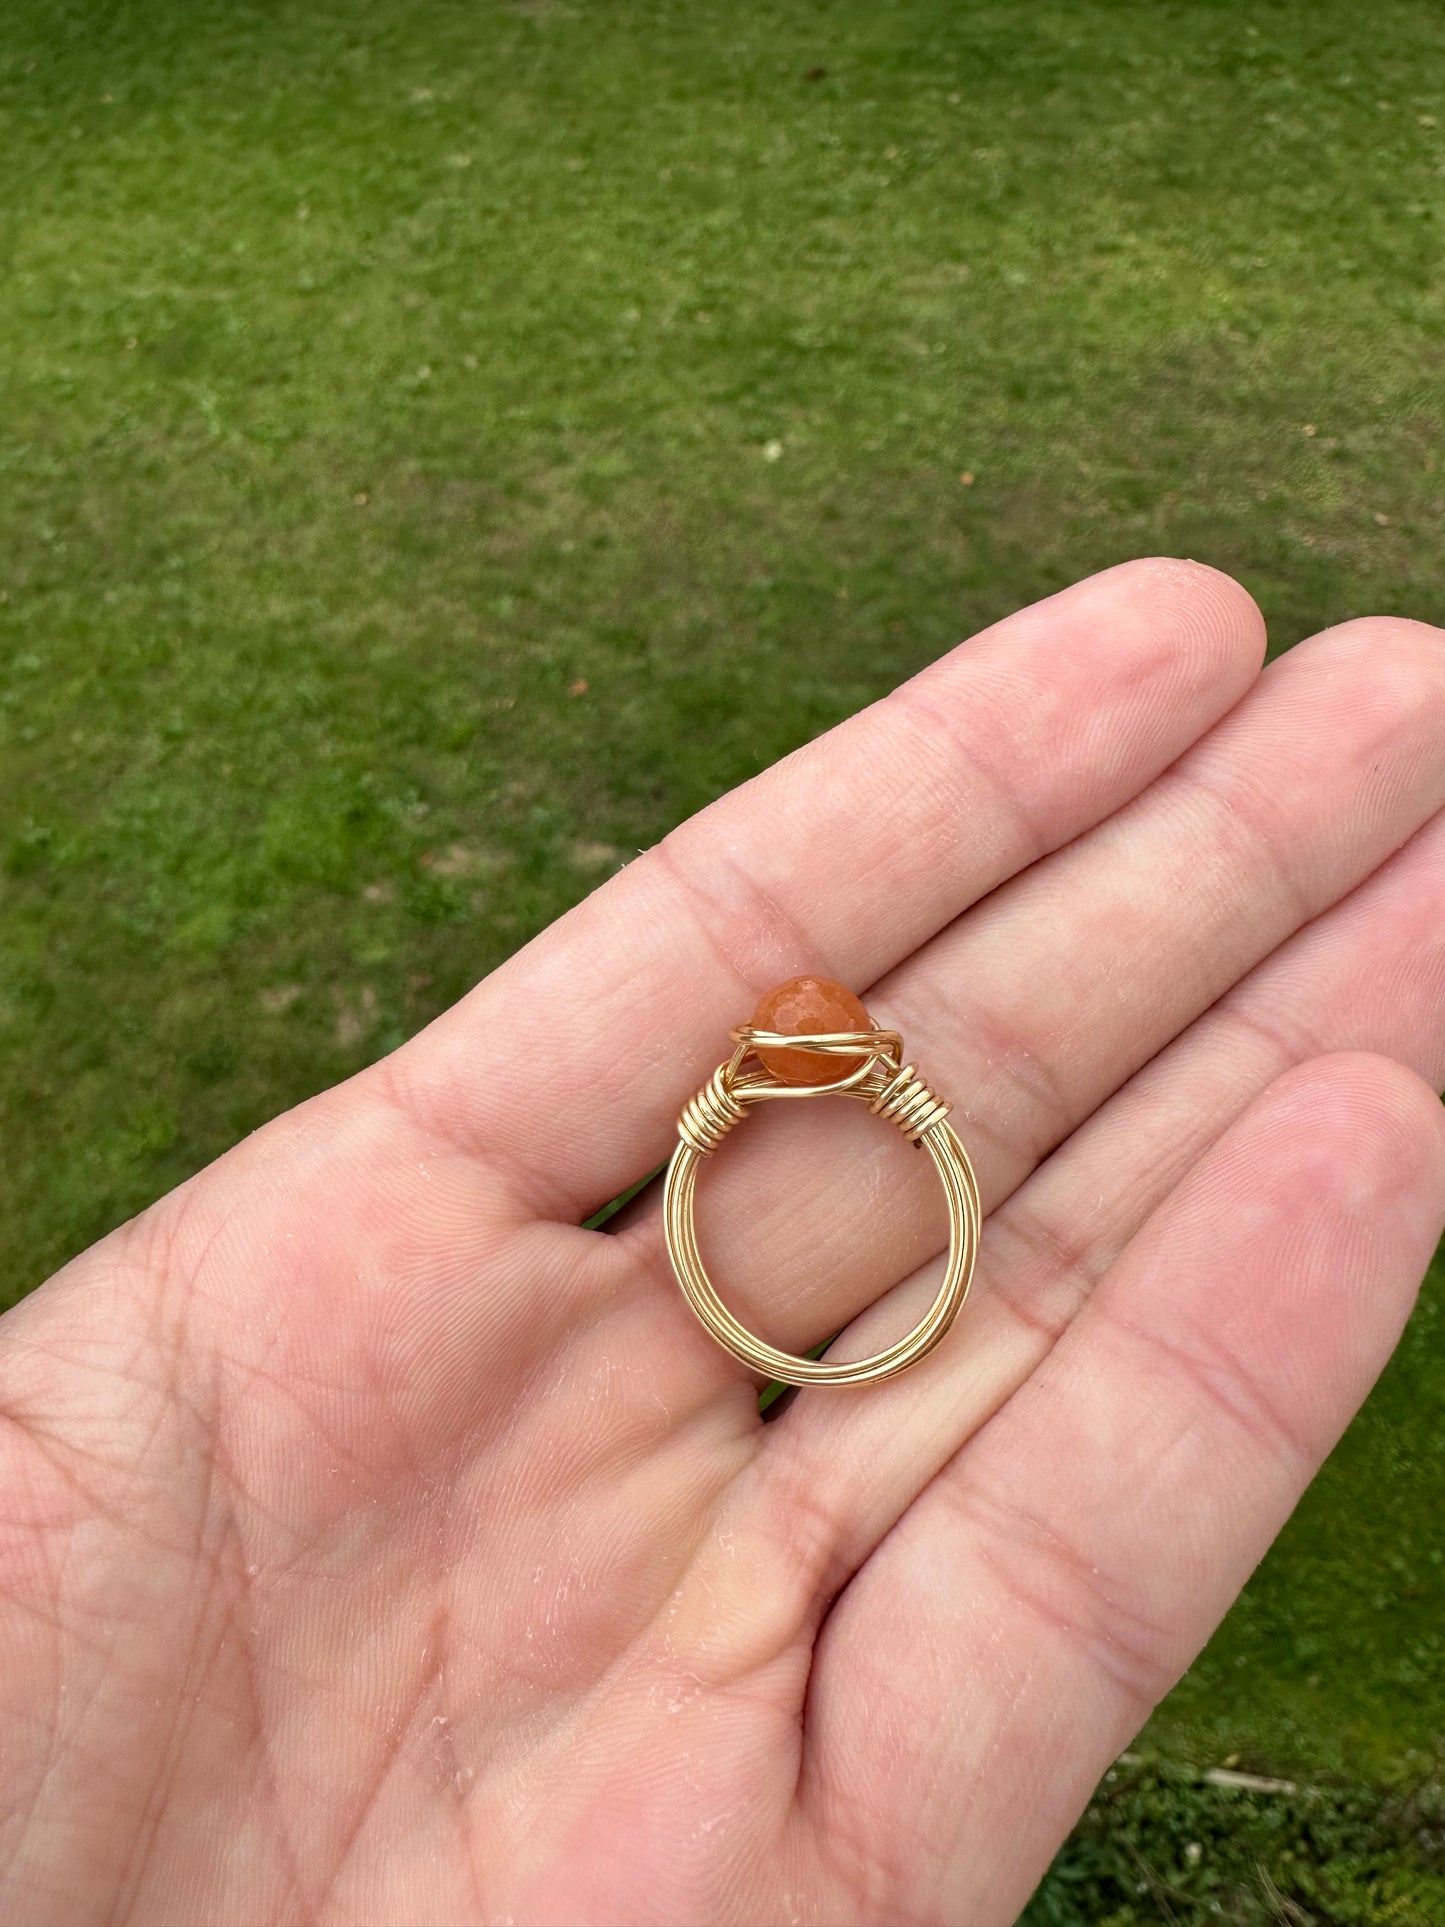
(891, 1089)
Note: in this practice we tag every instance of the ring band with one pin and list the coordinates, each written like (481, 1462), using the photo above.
(891, 1089)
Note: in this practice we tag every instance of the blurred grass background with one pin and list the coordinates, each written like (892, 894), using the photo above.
(443, 444)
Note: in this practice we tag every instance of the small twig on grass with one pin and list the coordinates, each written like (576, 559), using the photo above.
(1249, 1782)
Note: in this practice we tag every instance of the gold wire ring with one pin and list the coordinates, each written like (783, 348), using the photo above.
(891, 1089)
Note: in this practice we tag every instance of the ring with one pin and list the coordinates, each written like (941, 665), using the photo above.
(810, 1037)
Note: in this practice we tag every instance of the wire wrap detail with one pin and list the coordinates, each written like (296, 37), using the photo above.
(892, 1090)
(709, 1116)
(910, 1104)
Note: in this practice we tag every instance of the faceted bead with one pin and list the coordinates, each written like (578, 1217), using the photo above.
(809, 1005)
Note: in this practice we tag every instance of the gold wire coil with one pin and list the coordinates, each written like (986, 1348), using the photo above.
(707, 1118)
(891, 1089)
(910, 1105)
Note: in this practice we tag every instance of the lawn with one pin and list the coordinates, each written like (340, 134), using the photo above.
(443, 444)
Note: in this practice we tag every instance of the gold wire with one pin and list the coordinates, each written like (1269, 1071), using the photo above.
(891, 1089)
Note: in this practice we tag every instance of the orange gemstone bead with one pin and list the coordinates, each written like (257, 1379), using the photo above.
(809, 1006)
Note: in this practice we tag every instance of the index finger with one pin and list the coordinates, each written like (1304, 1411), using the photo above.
(568, 1065)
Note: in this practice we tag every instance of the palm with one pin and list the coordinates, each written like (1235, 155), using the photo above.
(380, 1545)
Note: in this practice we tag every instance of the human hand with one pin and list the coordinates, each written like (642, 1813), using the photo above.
(378, 1545)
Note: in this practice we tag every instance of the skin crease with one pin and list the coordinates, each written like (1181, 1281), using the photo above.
(377, 1545)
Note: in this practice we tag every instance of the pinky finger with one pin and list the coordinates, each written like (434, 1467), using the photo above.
(1069, 1563)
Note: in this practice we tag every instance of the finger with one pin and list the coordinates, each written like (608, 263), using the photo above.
(1051, 1585)
(1033, 1008)
(414, 1175)
(1369, 976)
(570, 1063)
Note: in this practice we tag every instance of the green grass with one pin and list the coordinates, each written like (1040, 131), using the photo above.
(374, 376)
(1162, 1845)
